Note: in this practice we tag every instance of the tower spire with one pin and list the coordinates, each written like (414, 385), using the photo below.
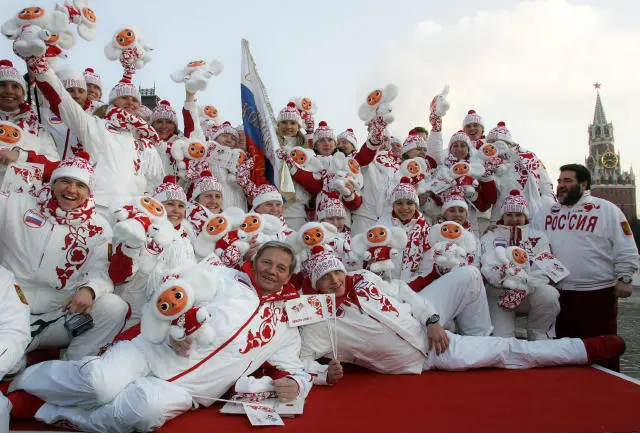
(598, 116)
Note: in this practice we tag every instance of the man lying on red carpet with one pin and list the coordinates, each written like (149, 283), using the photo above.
(388, 328)
(138, 385)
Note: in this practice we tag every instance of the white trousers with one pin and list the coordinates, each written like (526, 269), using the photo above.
(97, 394)
(5, 409)
(460, 297)
(541, 307)
(108, 313)
(467, 352)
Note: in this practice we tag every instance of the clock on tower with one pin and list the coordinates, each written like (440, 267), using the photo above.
(609, 160)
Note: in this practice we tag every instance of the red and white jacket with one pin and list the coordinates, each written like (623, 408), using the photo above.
(379, 325)
(417, 230)
(15, 333)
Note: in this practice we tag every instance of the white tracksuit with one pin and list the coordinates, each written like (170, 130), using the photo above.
(592, 239)
(387, 335)
(50, 262)
(541, 306)
(113, 150)
(138, 386)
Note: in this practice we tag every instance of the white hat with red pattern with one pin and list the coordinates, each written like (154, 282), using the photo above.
(77, 167)
(169, 190)
(164, 111)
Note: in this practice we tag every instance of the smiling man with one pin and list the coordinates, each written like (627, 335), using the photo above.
(592, 238)
(57, 247)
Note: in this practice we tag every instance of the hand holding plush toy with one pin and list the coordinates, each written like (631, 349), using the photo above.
(378, 104)
(220, 234)
(128, 47)
(141, 220)
(415, 171)
(186, 151)
(312, 238)
(195, 75)
(438, 108)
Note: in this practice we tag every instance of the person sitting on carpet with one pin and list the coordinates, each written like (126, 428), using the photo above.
(118, 392)
(388, 328)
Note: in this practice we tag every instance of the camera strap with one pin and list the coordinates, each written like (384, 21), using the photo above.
(41, 325)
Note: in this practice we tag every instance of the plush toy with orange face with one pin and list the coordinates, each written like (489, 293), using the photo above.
(493, 164)
(187, 151)
(378, 104)
(307, 109)
(127, 46)
(10, 135)
(221, 233)
(259, 227)
(140, 221)
(173, 311)
(345, 169)
(415, 171)
(451, 246)
(196, 74)
(79, 12)
(306, 159)
(38, 32)
(209, 115)
(312, 238)
(381, 249)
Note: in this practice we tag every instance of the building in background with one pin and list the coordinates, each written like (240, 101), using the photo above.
(608, 181)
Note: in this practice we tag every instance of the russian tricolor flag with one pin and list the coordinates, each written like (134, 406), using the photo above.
(260, 127)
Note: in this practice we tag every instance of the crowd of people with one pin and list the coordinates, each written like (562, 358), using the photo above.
(114, 222)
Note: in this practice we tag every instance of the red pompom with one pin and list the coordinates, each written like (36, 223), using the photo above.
(322, 124)
(413, 132)
(206, 173)
(291, 104)
(514, 192)
(84, 155)
(471, 112)
(165, 102)
(6, 62)
(501, 123)
(350, 130)
(169, 179)
(90, 70)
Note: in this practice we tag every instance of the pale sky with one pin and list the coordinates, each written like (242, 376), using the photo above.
(531, 63)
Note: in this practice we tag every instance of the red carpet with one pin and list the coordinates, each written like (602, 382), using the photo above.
(570, 399)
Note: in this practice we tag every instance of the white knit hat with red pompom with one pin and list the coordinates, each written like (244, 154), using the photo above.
(472, 117)
(9, 73)
(463, 137)
(224, 128)
(169, 190)
(265, 193)
(164, 111)
(77, 167)
(322, 263)
(145, 112)
(90, 77)
(500, 132)
(290, 112)
(405, 191)
(516, 203)
(413, 141)
(348, 135)
(206, 182)
(330, 207)
(323, 131)
(124, 88)
(455, 198)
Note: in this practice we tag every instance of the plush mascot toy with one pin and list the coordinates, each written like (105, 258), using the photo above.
(378, 103)
(196, 74)
(415, 171)
(128, 47)
(220, 235)
(172, 310)
(519, 281)
(258, 227)
(209, 113)
(80, 13)
(187, 151)
(493, 164)
(312, 238)
(306, 159)
(346, 169)
(381, 248)
(451, 246)
(140, 220)
(307, 109)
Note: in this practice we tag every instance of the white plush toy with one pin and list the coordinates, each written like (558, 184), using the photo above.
(259, 227)
(307, 109)
(345, 169)
(378, 103)
(451, 246)
(195, 75)
(185, 150)
(519, 280)
(493, 164)
(172, 311)
(80, 13)
(220, 233)
(127, 44)
(141, 219)
(39, 32)
(439, 104)
(306, 159)
(416, 172)
(381, 248)
(209, 113)
(312, 238)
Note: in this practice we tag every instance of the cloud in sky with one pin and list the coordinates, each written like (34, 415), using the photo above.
(531, 65)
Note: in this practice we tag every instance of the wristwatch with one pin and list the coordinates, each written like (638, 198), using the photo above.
(625, 280)
(435, 318)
